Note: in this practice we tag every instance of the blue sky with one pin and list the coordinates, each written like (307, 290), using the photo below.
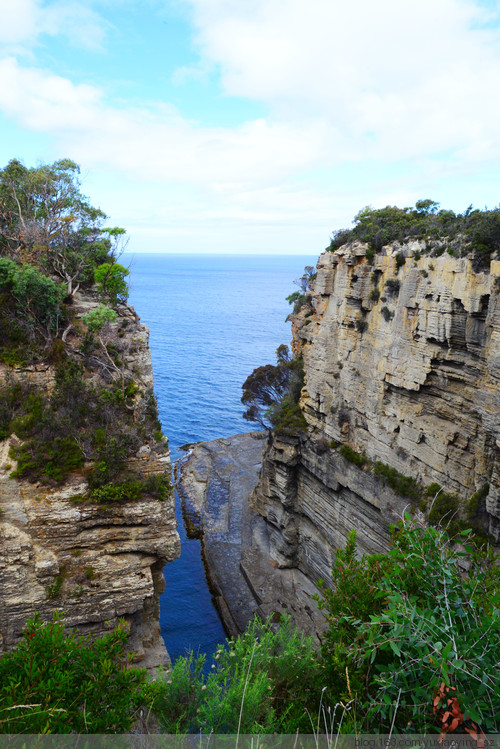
(254, 125)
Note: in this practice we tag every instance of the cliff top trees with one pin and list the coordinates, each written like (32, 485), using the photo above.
(47, 221)
(472, 232)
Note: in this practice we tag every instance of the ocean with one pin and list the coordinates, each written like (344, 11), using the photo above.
(212, 320)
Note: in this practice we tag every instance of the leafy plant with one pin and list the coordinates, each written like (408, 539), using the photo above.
(272, 393)
(97, 318)
(406, 486)
(110, 280)
(473, 232)
(262, 682)
(352, 456)
(408, 622)
(55, 682)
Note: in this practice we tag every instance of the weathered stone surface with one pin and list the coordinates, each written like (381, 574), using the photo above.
(408, 375)
(108, 560)
(215, 481)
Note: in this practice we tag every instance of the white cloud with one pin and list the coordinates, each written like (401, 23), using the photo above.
(156, 142)
(404, 94)
(396, 79)
(22, 22)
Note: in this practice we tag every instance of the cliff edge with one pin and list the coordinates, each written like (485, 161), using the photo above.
(70, 548)
(401, 357)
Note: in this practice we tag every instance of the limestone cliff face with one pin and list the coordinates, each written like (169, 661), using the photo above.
(402, 363)
(93, 562)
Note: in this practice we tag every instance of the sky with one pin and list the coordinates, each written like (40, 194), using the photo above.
(255, 126)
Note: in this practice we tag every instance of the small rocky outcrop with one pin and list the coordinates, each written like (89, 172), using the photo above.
(93, 562)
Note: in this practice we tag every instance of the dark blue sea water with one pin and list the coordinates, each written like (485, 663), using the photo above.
(212, 320)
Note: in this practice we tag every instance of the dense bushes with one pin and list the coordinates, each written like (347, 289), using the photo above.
(405, 623)
(473, 231)
(260, 683)
(406, 631)
(59, 683)
(79, 422)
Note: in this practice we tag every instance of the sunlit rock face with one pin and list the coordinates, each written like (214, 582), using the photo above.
(94, 563)
(402, 363)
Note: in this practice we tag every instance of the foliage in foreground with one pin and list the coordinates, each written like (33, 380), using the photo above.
(412, 644)
(261, 682)
(408, 633)
(59, 683)
(409, 626)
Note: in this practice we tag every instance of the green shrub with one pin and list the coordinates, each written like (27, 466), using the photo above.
(406, 486)
(36, 296)
(97, 318)
(400, 260)
(128, 490)
(437, 627)
(110, 281)
(287, 417)
(476, 501)
(54, 590)
(55, 682)
(444, 511)
(352, 456)
(386, 313)
(352, 598)
(370, 253)
(261, 682)
(53, 459)
(298, 299)
(375, 295)
(392, 286)
(474, 232)
(402, 624)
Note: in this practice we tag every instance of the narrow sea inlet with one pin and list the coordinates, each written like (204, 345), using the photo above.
(212, 320)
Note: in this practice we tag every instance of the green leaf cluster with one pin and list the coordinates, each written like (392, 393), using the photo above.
(55, 682)
(261, 682)
(110, 280)
(272, 392)
(97, 318)
(37, 299)
(406, 622)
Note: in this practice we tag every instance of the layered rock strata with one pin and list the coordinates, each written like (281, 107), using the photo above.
(215, 481)
(95, 563)
(402, 364)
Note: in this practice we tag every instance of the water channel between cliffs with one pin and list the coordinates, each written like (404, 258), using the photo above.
(212, 320)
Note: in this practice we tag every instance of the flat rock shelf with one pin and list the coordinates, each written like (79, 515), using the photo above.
(215, 481)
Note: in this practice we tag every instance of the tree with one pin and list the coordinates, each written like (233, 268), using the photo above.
(266, 387)
(272, 393)
(47, 221)
(308, 275)
(110, 280)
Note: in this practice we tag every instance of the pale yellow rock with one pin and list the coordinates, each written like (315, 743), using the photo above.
(110, 559)
(403, 366)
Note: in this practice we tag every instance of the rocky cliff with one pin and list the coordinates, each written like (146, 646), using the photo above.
(62, 551)
(401, 357)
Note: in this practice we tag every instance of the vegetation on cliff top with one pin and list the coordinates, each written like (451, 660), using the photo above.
(411, 646)
(473, 232)
(53, 243)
